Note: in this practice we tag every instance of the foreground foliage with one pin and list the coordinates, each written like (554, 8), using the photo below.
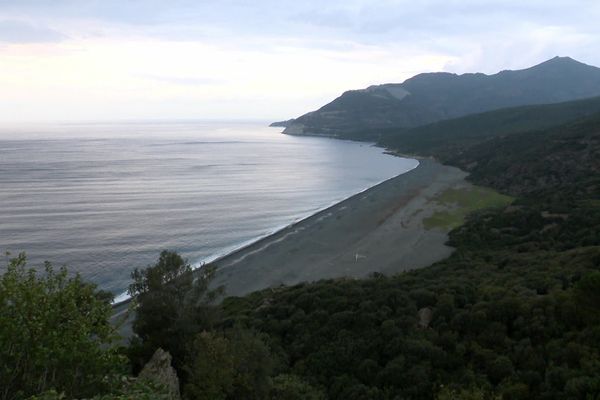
(172, 304)
(232, 366)
(54, 334)
(176, 310)
(124, 389)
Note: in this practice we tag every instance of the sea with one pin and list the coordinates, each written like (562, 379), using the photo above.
(105, 198)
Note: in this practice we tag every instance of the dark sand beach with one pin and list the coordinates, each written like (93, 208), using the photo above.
(378, 230)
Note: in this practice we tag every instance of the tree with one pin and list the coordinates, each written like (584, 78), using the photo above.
(126, 388)
(235, 365)
(471, 393)
(587, 296)
(212, 370)
(292, 387)
(54, 333)
(172, 304)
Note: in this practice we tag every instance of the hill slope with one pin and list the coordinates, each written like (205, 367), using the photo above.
(562, 159)
(445, 139)
(431, 97)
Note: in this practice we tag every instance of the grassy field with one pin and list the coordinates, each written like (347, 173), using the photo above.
(460, 202)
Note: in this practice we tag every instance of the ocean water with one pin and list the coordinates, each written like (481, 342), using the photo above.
(106, 198)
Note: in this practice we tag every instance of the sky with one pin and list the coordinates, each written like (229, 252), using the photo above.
(96, 60)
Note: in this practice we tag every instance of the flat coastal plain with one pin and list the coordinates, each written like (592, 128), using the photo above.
(379, 230)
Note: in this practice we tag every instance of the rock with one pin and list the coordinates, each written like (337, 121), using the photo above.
(425, 316)
(160, 371)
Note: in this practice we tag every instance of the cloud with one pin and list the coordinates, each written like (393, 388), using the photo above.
(16, 31)
(270, 58)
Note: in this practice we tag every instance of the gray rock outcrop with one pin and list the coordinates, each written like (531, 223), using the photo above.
(160, 371)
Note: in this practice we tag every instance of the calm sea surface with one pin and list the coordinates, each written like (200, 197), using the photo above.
(106, 198)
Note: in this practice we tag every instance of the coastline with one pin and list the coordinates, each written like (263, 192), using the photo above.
(377, 230)
(124, 298)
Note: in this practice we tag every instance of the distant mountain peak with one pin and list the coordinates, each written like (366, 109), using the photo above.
(561, 62)
(561, 58)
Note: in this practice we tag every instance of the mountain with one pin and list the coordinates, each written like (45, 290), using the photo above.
(431, 97)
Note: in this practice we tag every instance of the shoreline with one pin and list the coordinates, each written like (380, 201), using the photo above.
(241, 272)
(251, 242)
(351, 238)
(123, 298)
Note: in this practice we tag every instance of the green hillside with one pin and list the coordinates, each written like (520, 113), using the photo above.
(446, 139)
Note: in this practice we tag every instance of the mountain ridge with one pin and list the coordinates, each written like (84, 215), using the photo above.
(430, 97)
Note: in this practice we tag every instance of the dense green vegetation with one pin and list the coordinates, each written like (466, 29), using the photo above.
(54, 333)
(176, 311)
(563, 161)
(446, 139)
(56, 341)
(172, 305)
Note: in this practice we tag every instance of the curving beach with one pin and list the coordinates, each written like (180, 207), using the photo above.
(378, 230)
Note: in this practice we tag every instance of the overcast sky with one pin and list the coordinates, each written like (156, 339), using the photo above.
(275, 59)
